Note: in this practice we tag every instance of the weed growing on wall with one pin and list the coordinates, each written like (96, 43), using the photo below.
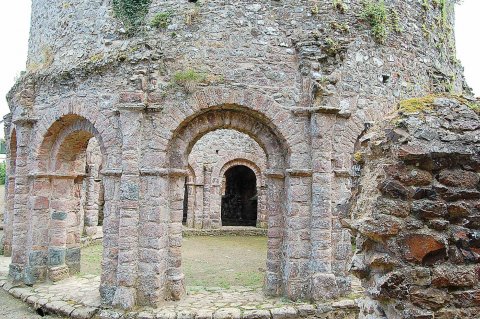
(131, 12)
(376, 14)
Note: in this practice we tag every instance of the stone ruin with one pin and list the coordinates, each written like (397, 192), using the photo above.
(417, 211)
(177, 109)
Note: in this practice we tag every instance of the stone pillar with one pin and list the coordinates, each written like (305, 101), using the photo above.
(8, 214)
(216, 204)
(131, 118)
(108, 280)
(208, 220)
(297, 245)
(324, 284)
(9, 189)
(276, 223)
(38, 238)
(24, 128)
(63, 204)
(191, 191)
(262, 211)
(175, 277)
(91, 203)
(74, 231)
(154, 239)
(198, 210)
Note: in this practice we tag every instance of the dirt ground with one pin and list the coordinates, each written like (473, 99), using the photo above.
(220, 261)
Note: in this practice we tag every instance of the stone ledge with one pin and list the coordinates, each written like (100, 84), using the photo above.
(347, 309)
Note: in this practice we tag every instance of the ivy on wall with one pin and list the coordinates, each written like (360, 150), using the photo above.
(131, 12)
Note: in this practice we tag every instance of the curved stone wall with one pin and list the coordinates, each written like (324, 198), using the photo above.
(416, 213)
(303, 79)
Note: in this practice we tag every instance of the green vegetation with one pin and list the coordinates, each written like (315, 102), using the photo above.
(161, 20)
(416, 105)
(131, 12)
(189, 79)
(332, 47)
(3, 173)
(207, 261)
(91, 261)
(376, 14)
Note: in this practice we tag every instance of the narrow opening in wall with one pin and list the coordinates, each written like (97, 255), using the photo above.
(239, 201)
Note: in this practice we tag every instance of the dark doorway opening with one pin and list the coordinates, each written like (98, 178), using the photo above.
(185, 202)
(239, 202)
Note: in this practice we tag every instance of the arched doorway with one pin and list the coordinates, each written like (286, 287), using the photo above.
(276, 149)
(239, 197)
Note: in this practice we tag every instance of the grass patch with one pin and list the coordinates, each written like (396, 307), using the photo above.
(219, 261)
(91, 261)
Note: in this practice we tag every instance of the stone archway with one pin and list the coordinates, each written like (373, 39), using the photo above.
(52, 246)
(277, 150)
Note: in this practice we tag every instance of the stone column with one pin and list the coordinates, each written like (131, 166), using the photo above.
(108, 280)
(74, 231)
(297, 245)
(24, 129)
(276, 223)
(8, 214)
(9, 189)
(38, 238)
(262, 211)
(91, 203)
(131, 118)
(175, 277)
(208, 220)
(154, 237)
(198, 210)
(191, 204)
(63, 204)
(324, 284)
(216, 204)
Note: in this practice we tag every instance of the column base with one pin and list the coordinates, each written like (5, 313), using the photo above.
(90, 231)
(34, 275)
(176, 287)
(15, 274)
(324, 287)
(125, 298)
(72, 259)
(107, 293)
(58, 273)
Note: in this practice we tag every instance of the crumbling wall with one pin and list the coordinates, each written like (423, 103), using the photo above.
(416, 215)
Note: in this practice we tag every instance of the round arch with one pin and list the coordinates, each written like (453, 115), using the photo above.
(227, 117)
(228, 163)
(277, 150)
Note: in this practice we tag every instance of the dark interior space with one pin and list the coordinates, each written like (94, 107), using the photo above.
(239, 203)
(185, 202)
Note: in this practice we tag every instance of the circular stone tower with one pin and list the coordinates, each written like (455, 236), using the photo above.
(149, 78)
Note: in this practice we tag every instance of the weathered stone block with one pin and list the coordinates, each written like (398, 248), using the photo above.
(56, 256)
(324, 287)
(420, 246)
(459, 178)
(58, 273)
(57, 215)
(454, 276)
